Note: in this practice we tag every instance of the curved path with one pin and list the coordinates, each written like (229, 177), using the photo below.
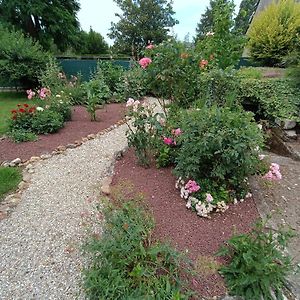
(40, 242)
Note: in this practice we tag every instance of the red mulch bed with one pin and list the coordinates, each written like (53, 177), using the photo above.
(180, 226)
(79, 127)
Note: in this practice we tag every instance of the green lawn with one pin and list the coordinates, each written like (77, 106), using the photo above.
(9, 101)
(9, 180)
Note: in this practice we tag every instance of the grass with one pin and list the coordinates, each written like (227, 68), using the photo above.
(8, 101)
(9, 180)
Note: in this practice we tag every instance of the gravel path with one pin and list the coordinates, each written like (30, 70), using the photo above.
(40, 243)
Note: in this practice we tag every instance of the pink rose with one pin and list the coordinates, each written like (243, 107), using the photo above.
(129, 102)
(168, 141)
(209, 198)
(177, 132)
(192, 186)
(150, 46)
(145, 62)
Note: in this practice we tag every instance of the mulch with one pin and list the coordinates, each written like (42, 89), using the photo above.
(79, 127)
(198, 237)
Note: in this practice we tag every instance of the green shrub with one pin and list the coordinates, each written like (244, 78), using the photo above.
(112, 74)
(218, 145)
(9, 180)
(218, 87)
(273, 32)
(258, 263)
(61, 105)
(272, 98)
(21, 135)
(224, 45)
(126, 264)
(21, 117)
(21, 59)
(47, 121)
(133, 84)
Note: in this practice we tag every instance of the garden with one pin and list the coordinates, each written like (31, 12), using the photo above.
(182, 172)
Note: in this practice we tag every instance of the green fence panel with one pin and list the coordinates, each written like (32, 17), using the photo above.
(86, 67)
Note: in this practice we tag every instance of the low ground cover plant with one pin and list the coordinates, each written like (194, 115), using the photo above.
(127, 264)
(9, 180)
(259, 265)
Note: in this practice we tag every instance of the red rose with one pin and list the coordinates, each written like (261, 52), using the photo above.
(26, 105)
(21, 110)
(13, 111)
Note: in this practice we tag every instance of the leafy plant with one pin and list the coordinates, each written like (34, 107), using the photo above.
(127, 264)
(61, 104)
(21, 117)
(219, 145)
(258, 264)
(144, 132)
(21, 135)
(21, 59)
(273, 33)
(47, 121)
(271, 98)
(250, 72)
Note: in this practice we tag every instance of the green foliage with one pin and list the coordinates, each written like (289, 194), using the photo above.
(133, 84)
(21, 117)
(91, 43)
(273, 34)
(97, 93)
(144, 132)
(273, 98)
(174, 72)
(131, 33)
(47, 121)
(222, 43)
(9, 180)
(258, 263)
(21, 135)
(250, 72)
(112, 74)
(61, 105)
(126, 264)
(48, 22)
(21, 59)
(243, 18)
(218, 87)
(218, 144)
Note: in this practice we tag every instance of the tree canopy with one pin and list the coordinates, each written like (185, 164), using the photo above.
(48, 21)
(246, 11)
(141, 21)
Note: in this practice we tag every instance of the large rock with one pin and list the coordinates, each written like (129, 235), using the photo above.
(105, 186)
(286, 124)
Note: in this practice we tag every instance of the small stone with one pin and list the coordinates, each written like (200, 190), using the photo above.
(5, 163)
(291, 134)
(91, 136)
(61, 148)
(30, 171)
(45, 156)
(84, 140)
(29, 166)
(105, 187)
(34, 159)
(78, 143)
(16, 161)
(23, 184)
(71, 146)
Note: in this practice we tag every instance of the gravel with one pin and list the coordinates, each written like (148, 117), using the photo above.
(40, 244)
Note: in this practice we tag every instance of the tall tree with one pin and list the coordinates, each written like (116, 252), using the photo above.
(141, 21)
(246, 11)
(48, 21)
(206, 21)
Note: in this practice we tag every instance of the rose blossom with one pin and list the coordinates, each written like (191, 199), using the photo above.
(192, 186)
(168, 140)
(145, 62)
(177, 132)
(130, 102)
(209, 198)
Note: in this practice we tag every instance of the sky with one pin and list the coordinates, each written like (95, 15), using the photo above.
(99, 15)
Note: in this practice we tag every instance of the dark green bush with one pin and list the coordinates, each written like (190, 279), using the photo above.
(47, 121)
(272, 98)
(62, 106)
(21, 59)
(258, 264)
(21, 135)
(219, 145)
(126, 264)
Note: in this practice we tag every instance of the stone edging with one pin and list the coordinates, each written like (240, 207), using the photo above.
(11, 201)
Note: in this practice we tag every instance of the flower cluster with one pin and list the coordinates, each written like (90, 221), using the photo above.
(203, 63)
(172, 140)
(134, 104)
(150, 46)
(145, 62)
(22, 109)
(204, 206)
(30, 94)
(42, 93)
(274, 173)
